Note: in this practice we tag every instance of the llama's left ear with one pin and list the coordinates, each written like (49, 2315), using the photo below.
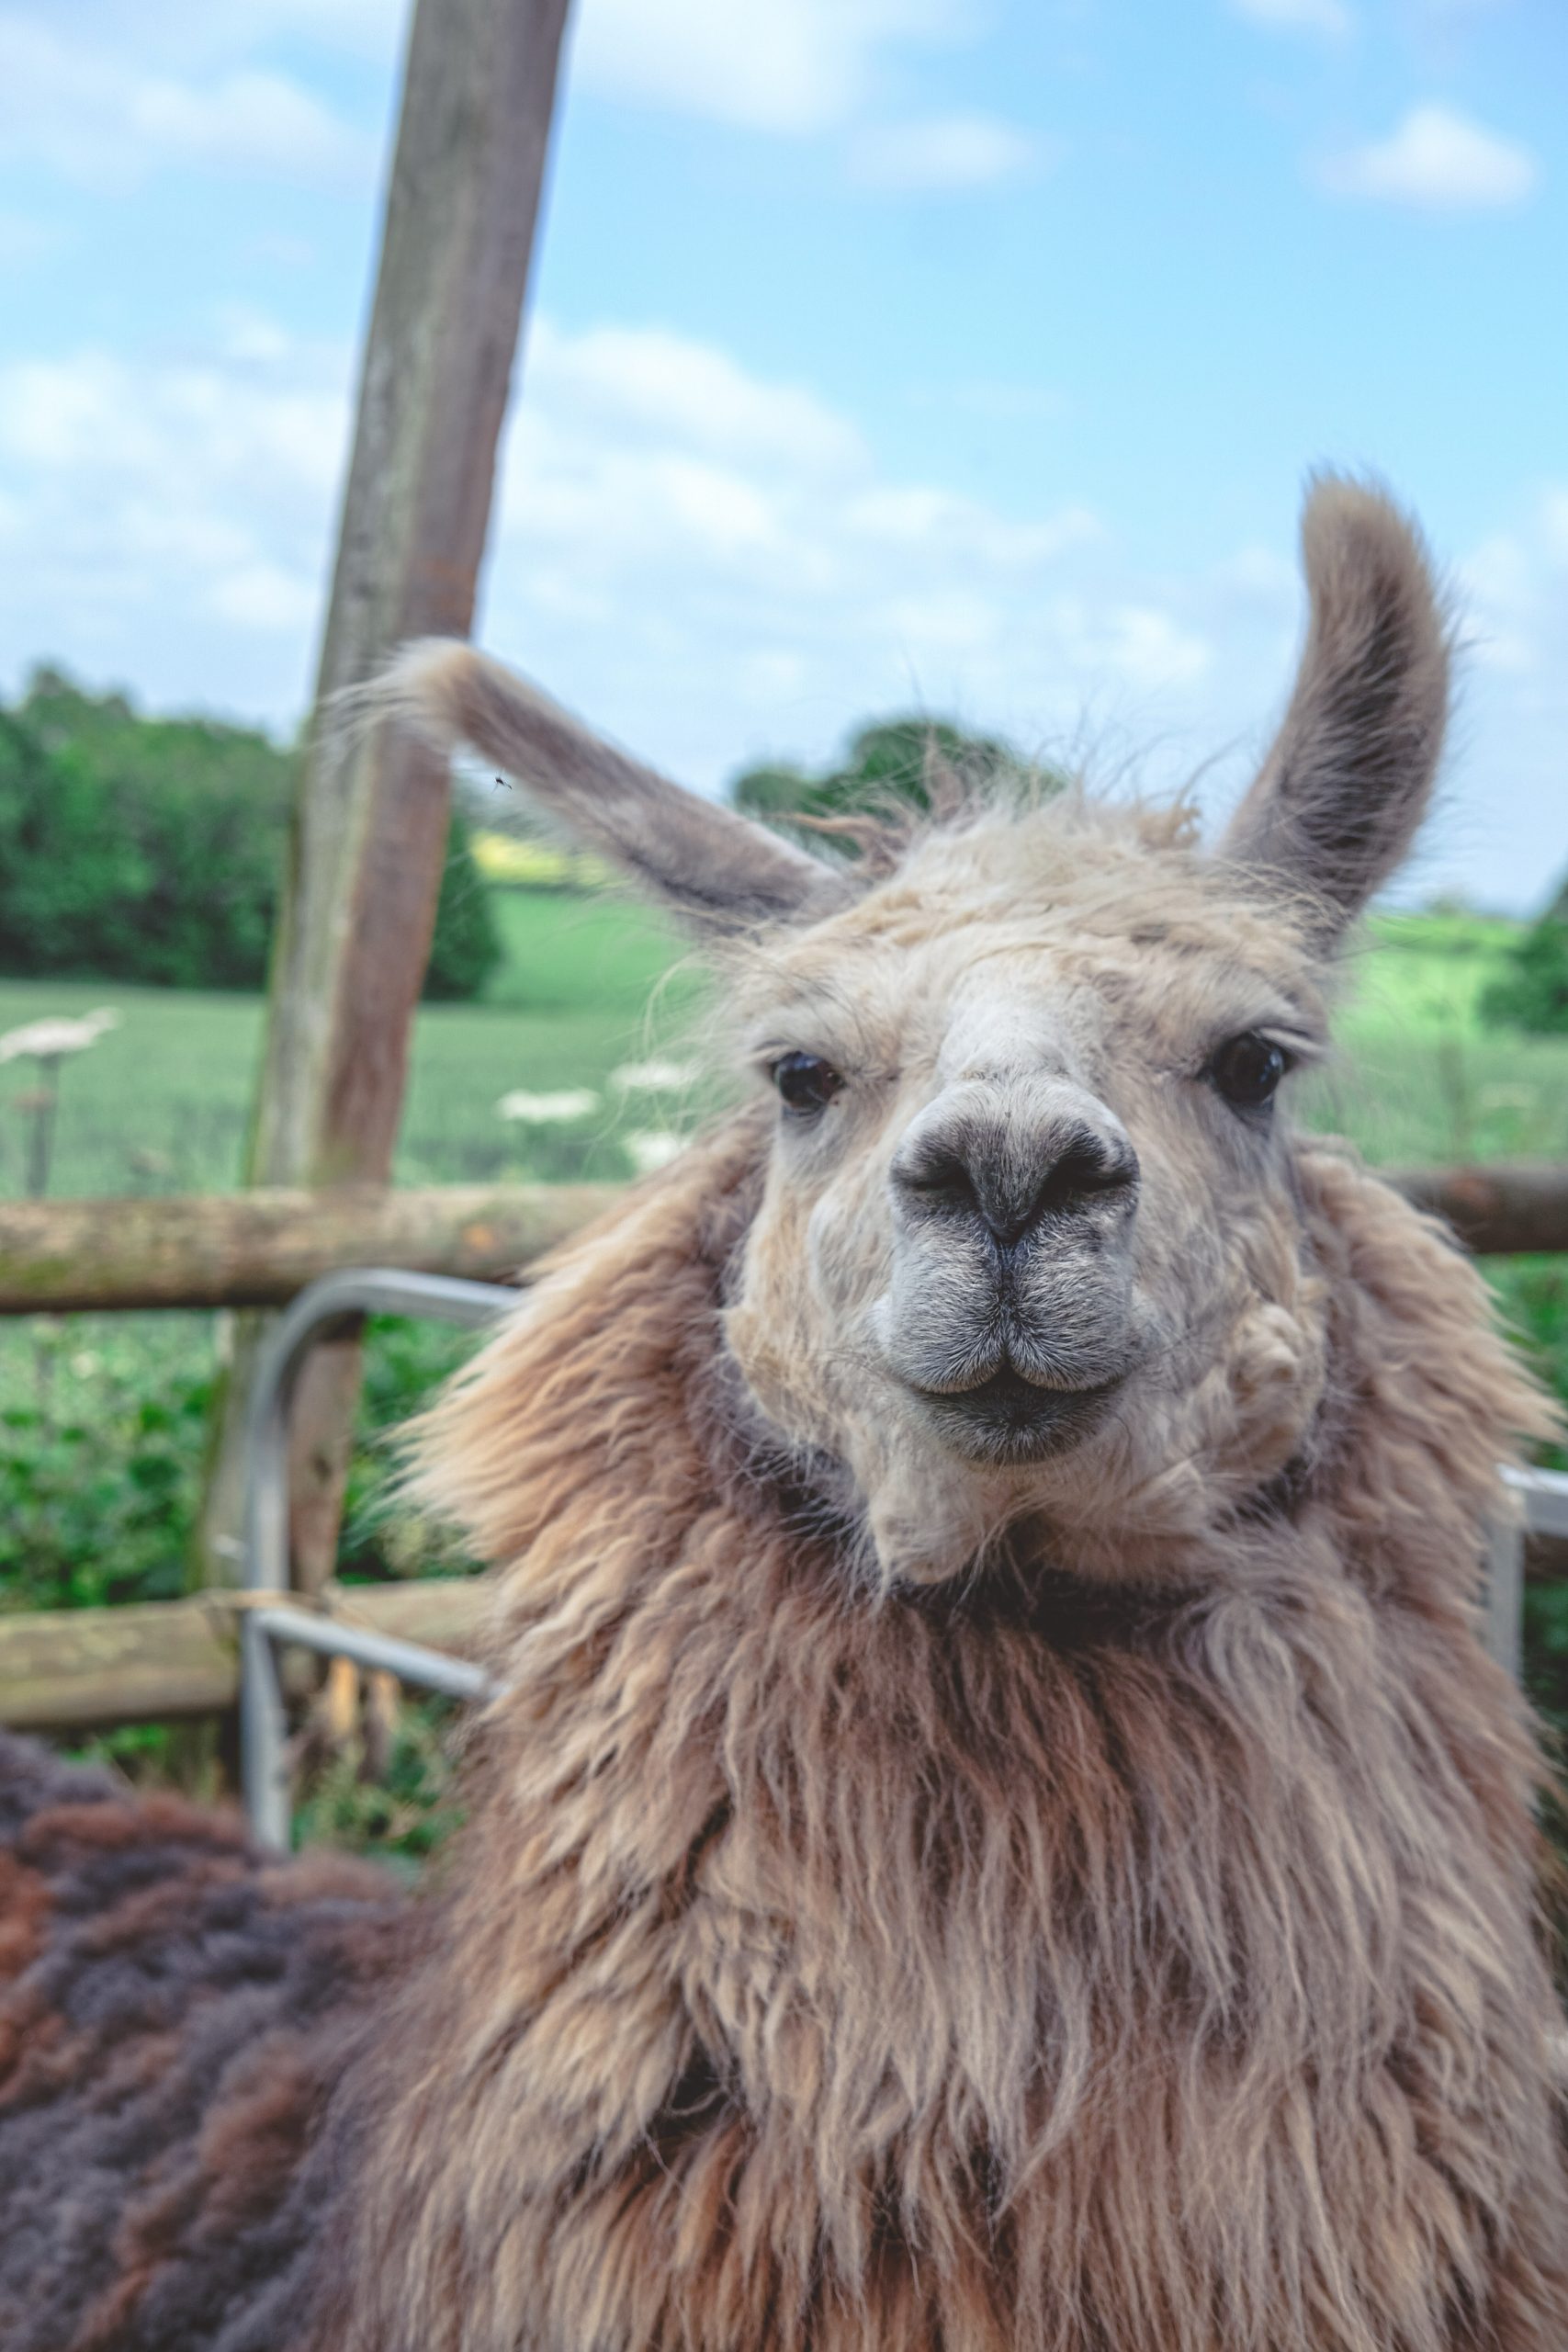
(1338, 799)
(714, 867)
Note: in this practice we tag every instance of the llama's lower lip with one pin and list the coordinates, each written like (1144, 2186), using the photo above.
(1008, 1419)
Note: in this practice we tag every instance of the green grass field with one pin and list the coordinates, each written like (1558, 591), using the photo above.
(161, 1104)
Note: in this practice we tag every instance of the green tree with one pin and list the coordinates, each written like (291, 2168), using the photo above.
(1532, 992)
(151, 849)
(889, 765)
(466, 947)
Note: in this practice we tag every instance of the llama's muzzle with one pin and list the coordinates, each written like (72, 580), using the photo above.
(1009, 1313)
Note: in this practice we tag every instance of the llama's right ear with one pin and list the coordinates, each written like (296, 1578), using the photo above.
(717, 869)
(1338, 799)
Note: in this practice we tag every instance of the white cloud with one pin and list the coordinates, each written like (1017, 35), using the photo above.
(952, 152)
(780, 65)
(1438, 161)
(106, 102)
(101, 116)
(1514, 700)
(713, 567)
(1330, 16)
(194, 34)
(166, 520)
(649, 386)
(708, 563)
(1515, 587)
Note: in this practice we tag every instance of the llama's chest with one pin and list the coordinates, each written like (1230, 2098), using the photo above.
(1226, 2034)
(1242, 2046)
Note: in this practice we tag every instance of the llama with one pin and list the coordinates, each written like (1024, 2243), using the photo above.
(1000, 1833)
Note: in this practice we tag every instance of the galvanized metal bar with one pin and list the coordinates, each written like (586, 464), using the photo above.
(324, 1306)
(264, 1736)
(1503, 1623)
(427, 1669)
(1542, 1497)
(1544, 1494)
(354, 1292)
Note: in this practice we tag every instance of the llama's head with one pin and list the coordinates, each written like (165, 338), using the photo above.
(1030, 1243)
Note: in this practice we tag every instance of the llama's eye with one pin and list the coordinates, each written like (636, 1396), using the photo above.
(1248, 1068)
(804, 1081)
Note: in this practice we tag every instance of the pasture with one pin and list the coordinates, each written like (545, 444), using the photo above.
(592, 983)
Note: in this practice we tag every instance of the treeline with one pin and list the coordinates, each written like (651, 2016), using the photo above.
(153, 849)
(917, 765)
(1532, 993)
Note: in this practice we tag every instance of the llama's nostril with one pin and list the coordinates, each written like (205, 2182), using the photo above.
(986, 1177)
(939, 1178)
(1086, 1171)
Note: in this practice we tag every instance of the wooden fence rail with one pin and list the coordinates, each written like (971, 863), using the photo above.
(1503, 1209)
(170, 1661)
(258, 1248)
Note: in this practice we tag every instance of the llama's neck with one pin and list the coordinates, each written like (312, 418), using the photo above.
(792, 1928)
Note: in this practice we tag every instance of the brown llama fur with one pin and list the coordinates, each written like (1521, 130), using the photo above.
(930, 1886)
(1029, 1971)
(1000, 1833)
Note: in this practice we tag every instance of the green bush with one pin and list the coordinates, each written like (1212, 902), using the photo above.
(100, 1466)
(889, 763)
(1532, 992)
(103, 1435)
(151, 850)
(466, 947)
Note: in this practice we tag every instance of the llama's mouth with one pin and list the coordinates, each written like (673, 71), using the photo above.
(1009, 1419)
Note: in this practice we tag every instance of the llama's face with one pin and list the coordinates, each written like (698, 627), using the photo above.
(1028, 1243)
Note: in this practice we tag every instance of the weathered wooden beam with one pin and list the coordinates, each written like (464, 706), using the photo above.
(372, 810)
(258, 1248)
(168, 1661)
(1500, 1210)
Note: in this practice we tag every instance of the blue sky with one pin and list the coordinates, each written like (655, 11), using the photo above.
(961, 354)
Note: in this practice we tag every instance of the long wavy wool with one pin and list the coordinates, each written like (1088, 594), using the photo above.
(1025, 1969)
(175, 2011)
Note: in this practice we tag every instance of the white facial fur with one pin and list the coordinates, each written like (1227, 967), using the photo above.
(1065, 975)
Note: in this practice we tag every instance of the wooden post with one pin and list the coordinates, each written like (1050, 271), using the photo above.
(371, 817)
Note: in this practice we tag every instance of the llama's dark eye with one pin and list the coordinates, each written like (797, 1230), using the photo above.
(1248, 1068)
(804, 1081)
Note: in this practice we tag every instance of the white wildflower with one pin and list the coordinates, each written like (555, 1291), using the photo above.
(49, 1040)
(654, 1078)
(1508, 1098)
(549, 1110)
(652, 1148)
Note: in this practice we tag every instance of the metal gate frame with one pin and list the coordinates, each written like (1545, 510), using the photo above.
(336, 1299)
(321, 1309)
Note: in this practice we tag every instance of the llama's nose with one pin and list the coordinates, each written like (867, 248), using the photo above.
(1016, 1166)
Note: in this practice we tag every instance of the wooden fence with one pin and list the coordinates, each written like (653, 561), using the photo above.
(168, 1660)
(258, 1248)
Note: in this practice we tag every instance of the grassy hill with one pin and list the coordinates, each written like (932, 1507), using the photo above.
(590, 983)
